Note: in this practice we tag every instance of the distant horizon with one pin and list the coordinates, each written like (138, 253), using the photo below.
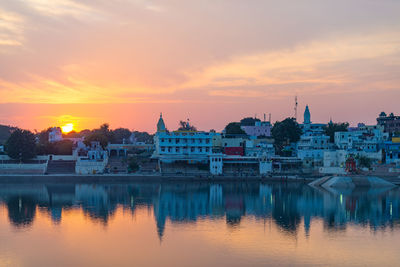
(69, 61)
(151, 117)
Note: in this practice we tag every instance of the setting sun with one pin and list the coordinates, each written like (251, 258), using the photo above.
(67, 128)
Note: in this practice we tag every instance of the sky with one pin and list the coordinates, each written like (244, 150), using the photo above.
(123, 62)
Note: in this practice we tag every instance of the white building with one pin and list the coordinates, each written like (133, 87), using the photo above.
(55, 135)
(313, 143)
(259, 149)
(311, 148)
(95, 161)
(195, 147)
(190, 146)
(311, 128)
(363, 138)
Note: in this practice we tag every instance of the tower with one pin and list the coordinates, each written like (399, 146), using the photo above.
(295, 107)
(307, 116)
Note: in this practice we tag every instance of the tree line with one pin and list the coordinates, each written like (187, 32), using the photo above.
(24, 144)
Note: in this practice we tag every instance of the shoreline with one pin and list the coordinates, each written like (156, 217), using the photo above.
(122, 178)
(61, 178)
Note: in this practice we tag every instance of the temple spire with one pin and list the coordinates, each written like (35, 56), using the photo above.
(307, 116)
(161, 124)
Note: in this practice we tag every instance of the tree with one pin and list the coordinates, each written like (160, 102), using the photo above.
(43, 136)
(233, 128)
(133, 166)
(5, 132)
(249, 121)
(185, 126)
(21, 145)
(143, 137)
(364, 161)
(96, 136)
(285, 132)
(121, 134)
(103, 135)
(332, 128)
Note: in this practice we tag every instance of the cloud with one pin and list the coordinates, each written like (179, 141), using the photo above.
(11, 29)
(70, 51)
(320, 64)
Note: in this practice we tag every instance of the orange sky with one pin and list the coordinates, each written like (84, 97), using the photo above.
(75, 61)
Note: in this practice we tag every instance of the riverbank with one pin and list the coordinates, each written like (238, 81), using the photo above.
(120, 178)
(141, 178)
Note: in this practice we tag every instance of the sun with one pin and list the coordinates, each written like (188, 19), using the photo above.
(67, 128)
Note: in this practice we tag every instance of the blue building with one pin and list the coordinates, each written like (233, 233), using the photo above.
(392, 151)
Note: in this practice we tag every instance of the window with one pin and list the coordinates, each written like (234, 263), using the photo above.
(207, 149)
(200, 149)
(169, 149)
(162, 139)
(192, 149)
(162, 149)
(170, 140)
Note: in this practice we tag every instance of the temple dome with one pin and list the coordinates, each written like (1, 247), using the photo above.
(161, 124)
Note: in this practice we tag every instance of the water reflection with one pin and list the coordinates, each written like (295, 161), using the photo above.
(286, 204)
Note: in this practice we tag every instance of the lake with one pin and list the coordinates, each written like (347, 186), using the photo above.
(197, 224)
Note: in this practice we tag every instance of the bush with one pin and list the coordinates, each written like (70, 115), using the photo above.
(133, 166)
(364, 161)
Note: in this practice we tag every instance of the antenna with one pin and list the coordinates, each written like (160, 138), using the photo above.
(295, 107)
(269, 117)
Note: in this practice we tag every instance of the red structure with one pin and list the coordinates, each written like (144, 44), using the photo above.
(351, 165)
(238, 151)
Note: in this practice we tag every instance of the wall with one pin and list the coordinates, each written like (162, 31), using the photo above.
(90, 167)
(332, 170)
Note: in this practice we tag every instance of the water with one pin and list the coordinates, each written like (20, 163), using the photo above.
(197, 224)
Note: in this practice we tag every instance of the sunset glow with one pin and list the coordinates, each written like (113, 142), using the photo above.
(245, 58)
(67, 128)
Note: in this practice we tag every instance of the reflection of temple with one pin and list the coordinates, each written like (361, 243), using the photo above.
(287, 205)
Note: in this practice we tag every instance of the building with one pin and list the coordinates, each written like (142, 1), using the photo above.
(392, 151)
(363, 138)
(312, 144)
(197, 153)
(55, 135)
(260, 148)
(311, 148)
(95, 161)
(311, 128)
(390, 123)
(233, 146)
(187, 146)
(260, 128)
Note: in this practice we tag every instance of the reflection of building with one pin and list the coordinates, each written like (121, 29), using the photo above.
(284, 204)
